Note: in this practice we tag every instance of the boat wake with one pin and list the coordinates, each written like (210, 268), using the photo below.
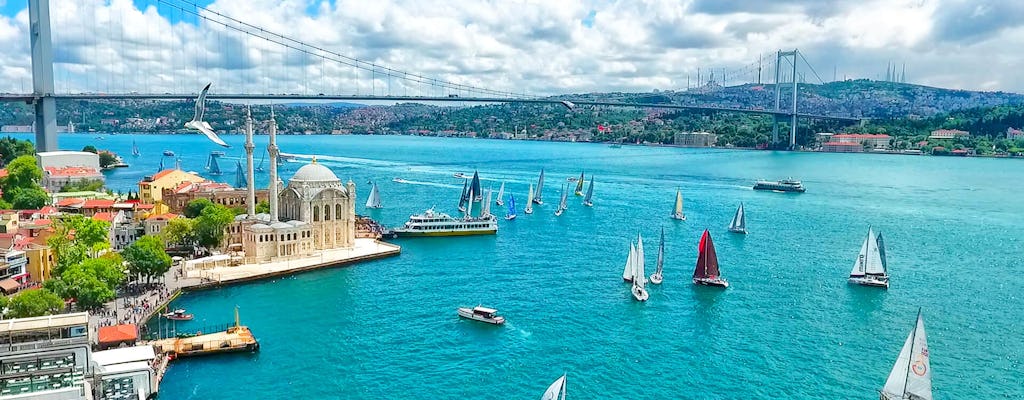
(347, 160)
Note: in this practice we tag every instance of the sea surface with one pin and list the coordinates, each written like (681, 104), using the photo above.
(788, 327)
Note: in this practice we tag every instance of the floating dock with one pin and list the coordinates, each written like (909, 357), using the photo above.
(237, 338)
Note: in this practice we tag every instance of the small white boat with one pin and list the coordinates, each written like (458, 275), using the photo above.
(556, 391)
(656, 277)
(706, 273)
(677, 213)
(739, 221)
(374, 200)
(482, 314)
(460, 175)
(529, 201)
(911, 375)
(399, 180)
(870, 268)
(639, 289)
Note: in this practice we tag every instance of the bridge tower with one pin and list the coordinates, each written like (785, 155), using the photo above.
(42, 75)
(790, 56)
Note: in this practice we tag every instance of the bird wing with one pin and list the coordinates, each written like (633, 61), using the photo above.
(206, 130)
(201, 103)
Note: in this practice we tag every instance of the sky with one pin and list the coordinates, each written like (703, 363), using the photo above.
(532, 47)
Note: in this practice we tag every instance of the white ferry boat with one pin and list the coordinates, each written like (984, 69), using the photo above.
(785, 185)
(432, 223)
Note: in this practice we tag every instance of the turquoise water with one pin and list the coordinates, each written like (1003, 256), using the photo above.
(788, 327)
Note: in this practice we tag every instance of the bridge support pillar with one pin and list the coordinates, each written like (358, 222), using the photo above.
(42, 75)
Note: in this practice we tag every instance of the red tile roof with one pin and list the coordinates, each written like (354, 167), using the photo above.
(98, 203)
(48, 210)
(104, 216)
(71, 202)
(162, 217)
(162, 174)
(72, 171)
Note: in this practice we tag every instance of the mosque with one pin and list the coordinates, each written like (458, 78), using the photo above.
(314, 212)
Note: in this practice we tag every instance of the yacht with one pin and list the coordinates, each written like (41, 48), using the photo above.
(482, 314)
(168, 153)
(432, 223)
(785, 185)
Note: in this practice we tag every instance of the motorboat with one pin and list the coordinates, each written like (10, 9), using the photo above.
(399, 180)
(482, 314)
(460, 175)
(178, 315)
(168, 153)
(785, 185)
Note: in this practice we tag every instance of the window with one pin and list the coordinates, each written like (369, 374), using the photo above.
(337, 212)
(316, 213)
(327, 213)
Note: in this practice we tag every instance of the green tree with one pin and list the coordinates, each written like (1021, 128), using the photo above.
(108, 269)
(33, 303)
(146, 257)
(90, 148)
(83, 186)
(263, 207)
(29, 198)
(195, 207)
(180, 231)
(87, 289)
(107, 159)
(11, 148)
(210, 225)
(4, 302)
(22, 173)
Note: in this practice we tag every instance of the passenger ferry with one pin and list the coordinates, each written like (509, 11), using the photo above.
(432, 223)
(785, 185)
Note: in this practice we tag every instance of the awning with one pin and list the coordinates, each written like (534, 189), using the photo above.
(9, 285)
(117, 334)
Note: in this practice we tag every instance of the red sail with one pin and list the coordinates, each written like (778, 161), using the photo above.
(707, 260)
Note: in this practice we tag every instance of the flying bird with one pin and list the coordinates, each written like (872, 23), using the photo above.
(197, 122)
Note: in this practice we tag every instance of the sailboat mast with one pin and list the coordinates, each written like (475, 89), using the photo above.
(913, 339)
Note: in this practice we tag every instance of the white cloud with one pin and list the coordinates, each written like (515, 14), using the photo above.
(533, 46)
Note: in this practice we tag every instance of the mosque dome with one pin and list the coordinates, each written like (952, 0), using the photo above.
(314, 173)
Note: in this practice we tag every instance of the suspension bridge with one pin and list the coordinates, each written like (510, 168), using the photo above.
(237, 56)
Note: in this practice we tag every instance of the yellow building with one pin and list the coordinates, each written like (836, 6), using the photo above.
(40, 262)
(151, 187)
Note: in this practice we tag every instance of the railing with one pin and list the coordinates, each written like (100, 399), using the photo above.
(42, 344)
(174, 333)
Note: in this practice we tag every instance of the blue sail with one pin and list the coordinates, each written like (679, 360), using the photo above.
(511, 205)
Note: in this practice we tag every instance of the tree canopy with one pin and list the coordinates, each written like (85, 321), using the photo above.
(34, 303)
(210, 225)
(146, 257)
(196, 207)
(11, 148)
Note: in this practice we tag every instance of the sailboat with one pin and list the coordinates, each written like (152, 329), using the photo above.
(579, 185)
(678, 213)
(240, 180)
(161, 164)
(656, 278)
(485, 209)
(464, 198)
(135, 149)
(374, 200)
(501, 193)
(475, 187)
(263, 157)
(529, 201)
(556, 391)
(561, 204)
(707, 273)
(538, 196)
(511, 215)
(212, 166)
(588, 201)
(639, 289)
(627, 271)
(911, 376)
(739, 221)
(870, 267)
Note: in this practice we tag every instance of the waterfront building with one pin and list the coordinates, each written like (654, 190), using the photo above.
(1014, 134)
(178, 197)
(46, 357)
(842, 147)
(55, 178)
(151, 188)
(940, 134)
(873, 141)
(63, 159)
(695, 139)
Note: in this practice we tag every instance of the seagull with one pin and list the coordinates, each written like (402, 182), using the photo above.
(197, 122)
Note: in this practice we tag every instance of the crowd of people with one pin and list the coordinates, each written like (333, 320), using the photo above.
(137, 301)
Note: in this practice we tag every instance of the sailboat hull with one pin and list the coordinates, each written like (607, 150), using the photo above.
(640, 294)
(558, 213)
(678, 217)
(625, 279)
(869, 281)
(716, 282)
(528, 211)
(738, 230)
(588, 204)
(656, 279)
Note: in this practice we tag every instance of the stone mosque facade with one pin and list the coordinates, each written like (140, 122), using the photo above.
(315, 212)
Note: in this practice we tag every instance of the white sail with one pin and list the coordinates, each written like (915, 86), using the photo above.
(374, 200)
(556, 391)
(679, 203)
(565, 192)
(469, 205)
(640, 278)
(486, 209)
(627, 272)
(739, 222)
(661, 254)
(501, 195)
(529, 200)
(869, 260)
(911, 376)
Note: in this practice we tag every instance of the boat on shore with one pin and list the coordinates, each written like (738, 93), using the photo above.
(677, 213)
(739, 221)
(706, 273)
(482, 314)
(786, 185)
(870, 267)
(178, 315)
(432, 223)
(911, 375)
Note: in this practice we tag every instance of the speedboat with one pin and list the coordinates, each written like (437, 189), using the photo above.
(178, 315)
(460, 175)
(482, 314)
(399, 180)
(168, 153)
